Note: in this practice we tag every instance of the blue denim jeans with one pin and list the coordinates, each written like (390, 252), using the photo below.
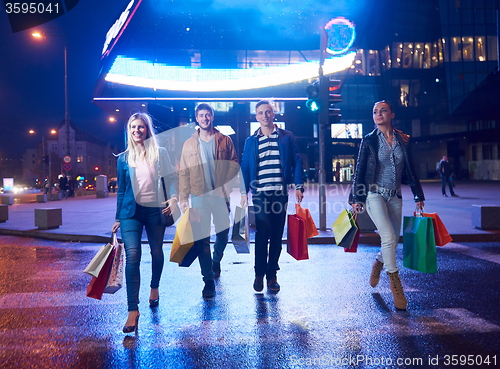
(270, 215)
(131, 231)
(385, 210)
(446, 180)
(216, 208)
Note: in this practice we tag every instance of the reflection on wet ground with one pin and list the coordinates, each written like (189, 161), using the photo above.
(326, 314)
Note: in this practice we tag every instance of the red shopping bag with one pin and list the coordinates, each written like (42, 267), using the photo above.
(305, 214)
(96, 287)
(441, 234)
(297, 240)
(354, 246)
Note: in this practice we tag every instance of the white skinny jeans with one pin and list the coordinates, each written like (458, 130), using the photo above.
(386, 211)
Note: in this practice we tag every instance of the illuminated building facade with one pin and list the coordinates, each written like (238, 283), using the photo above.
(435, 60)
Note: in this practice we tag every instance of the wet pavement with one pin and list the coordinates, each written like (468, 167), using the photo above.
(325, 316)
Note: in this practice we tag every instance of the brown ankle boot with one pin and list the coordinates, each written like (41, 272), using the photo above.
(376, 269)
(400, 301)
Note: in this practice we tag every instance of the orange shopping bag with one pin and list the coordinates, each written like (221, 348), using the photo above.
(441, 234)
(305, 214)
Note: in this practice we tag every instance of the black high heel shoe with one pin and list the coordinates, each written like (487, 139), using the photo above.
(132, 328)
(155, 302)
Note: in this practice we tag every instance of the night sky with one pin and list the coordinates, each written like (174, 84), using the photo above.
(32, 76)
(32, 71)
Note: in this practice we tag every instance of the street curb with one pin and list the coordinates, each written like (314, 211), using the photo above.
(364, 239)
(62, 237)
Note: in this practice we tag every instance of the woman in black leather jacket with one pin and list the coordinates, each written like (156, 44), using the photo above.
(385, 161)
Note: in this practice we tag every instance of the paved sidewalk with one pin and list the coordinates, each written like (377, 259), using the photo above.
(88, 219)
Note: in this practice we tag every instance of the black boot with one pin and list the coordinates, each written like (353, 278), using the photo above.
(209, 290)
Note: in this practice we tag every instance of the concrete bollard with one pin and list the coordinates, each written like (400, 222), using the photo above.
(41, 198)
(56, 196)
(7, 199)
(48, 218)
(101, 185)
(101, 194)
(4, 213)
(486, 217)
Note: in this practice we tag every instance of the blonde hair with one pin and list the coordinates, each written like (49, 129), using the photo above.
(150, 143)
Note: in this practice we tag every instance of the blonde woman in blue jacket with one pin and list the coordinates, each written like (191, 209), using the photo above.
(140, 204)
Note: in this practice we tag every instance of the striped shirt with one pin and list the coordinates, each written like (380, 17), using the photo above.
(269, 176)
(390, 163)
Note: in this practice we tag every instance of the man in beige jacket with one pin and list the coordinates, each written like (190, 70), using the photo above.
(208, 167)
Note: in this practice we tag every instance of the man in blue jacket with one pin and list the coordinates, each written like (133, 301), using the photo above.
(270, 163)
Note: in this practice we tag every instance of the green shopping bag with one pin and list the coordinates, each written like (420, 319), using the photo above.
(419, 244)
(344, 229)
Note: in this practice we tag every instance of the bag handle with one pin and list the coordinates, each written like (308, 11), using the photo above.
(114, 239)
(164, 188)
(418, 212)
(354, 214)
(162, 181)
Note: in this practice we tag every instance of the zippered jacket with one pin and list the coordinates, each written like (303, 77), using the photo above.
(191, 174)
(367, 162)
(291, 162)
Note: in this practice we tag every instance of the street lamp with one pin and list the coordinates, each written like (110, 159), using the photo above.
(41, 35)
(52, 132)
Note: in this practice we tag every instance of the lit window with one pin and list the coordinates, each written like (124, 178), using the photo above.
(480, 50)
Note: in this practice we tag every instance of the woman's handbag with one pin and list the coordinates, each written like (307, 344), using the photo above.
(344, 229)
(296, 237)
(419, 245)
(240, 233)
(175, 213)
(97, 262)
(441, 234)
(305, 214)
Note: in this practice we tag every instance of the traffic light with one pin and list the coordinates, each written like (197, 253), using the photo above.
(334, 96)
(313, 103)
(45, 159)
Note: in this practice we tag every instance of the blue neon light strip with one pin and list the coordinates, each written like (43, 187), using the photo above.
(160, 76)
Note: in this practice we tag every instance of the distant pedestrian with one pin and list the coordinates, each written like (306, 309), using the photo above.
(46, 186)
(112, 185)
(271, 163)
(445, 172)
(63, 185)
(385, 161)
(72, 186)
(140, 168)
